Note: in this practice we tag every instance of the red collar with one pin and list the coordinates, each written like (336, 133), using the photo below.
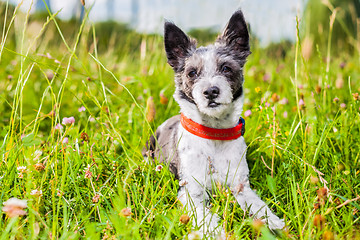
(213, 133)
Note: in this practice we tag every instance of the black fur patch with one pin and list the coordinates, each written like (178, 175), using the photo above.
(238, 93)
(186, 97)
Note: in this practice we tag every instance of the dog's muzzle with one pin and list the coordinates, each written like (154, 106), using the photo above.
(212, 93)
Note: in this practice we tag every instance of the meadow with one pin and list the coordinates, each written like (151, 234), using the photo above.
(79, 100)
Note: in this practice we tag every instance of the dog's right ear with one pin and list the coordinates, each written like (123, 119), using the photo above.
(178, 46)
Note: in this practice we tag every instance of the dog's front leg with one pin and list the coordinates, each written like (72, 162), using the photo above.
(194, 198)
(249, 200)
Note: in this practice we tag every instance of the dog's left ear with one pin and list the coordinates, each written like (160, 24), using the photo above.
(236, 34)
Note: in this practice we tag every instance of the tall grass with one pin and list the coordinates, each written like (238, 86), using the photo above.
(89, 177)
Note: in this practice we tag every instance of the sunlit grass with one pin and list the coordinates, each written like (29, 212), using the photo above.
(87, 178)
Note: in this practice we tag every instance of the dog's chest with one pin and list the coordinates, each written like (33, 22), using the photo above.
(206, 160)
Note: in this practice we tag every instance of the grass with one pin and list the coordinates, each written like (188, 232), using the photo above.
(94, 183)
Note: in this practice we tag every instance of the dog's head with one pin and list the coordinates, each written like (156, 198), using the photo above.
(209, 79)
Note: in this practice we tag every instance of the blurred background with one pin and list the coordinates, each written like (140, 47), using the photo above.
(147, 16)
(270, 21)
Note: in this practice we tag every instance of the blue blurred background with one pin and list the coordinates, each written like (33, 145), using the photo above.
(270, 21)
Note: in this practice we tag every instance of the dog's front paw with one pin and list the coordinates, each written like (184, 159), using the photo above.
(275, 223)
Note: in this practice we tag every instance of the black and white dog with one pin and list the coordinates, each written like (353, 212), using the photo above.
(204, 145)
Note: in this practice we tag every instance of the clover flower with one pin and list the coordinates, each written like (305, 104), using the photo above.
(59, 127)
(301, 103)
(284, 101)
(126, 212)
(22, 169)
(285, 114)
(65, 140)
(68, 121)
(37, 154)
(82, 109)
(36, 193)
(158, 168)
(247, 113)
(14, 207)
(96, 198)
(88, 173)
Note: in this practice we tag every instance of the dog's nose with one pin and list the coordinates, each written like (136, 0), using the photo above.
(211, 92)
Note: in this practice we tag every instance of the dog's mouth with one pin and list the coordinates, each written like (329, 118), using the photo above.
(213, 104)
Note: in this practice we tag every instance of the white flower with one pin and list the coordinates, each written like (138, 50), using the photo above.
(22, 169)
(65, 140)
(35, 192)
(194, 235)
(14, 207)
(37, 154)
(158, 168)
(183, 183)
(284, 101)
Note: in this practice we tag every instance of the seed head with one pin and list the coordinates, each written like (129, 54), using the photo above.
(257, 224)
(319, 221)
(356, 96)
(126, 212)
(150, 109)
(96, 198)
(339, 83)
(84, 137)
(88, 173)
(275, 98)
(314, 180)
(328, 235)
(163, 99)
(322, 193)
(39, 166)
(184, 219)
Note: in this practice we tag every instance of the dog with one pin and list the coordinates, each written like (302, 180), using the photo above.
(205, 144)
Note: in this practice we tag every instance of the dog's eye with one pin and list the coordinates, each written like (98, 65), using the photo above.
(225, 69)
(192, 74)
